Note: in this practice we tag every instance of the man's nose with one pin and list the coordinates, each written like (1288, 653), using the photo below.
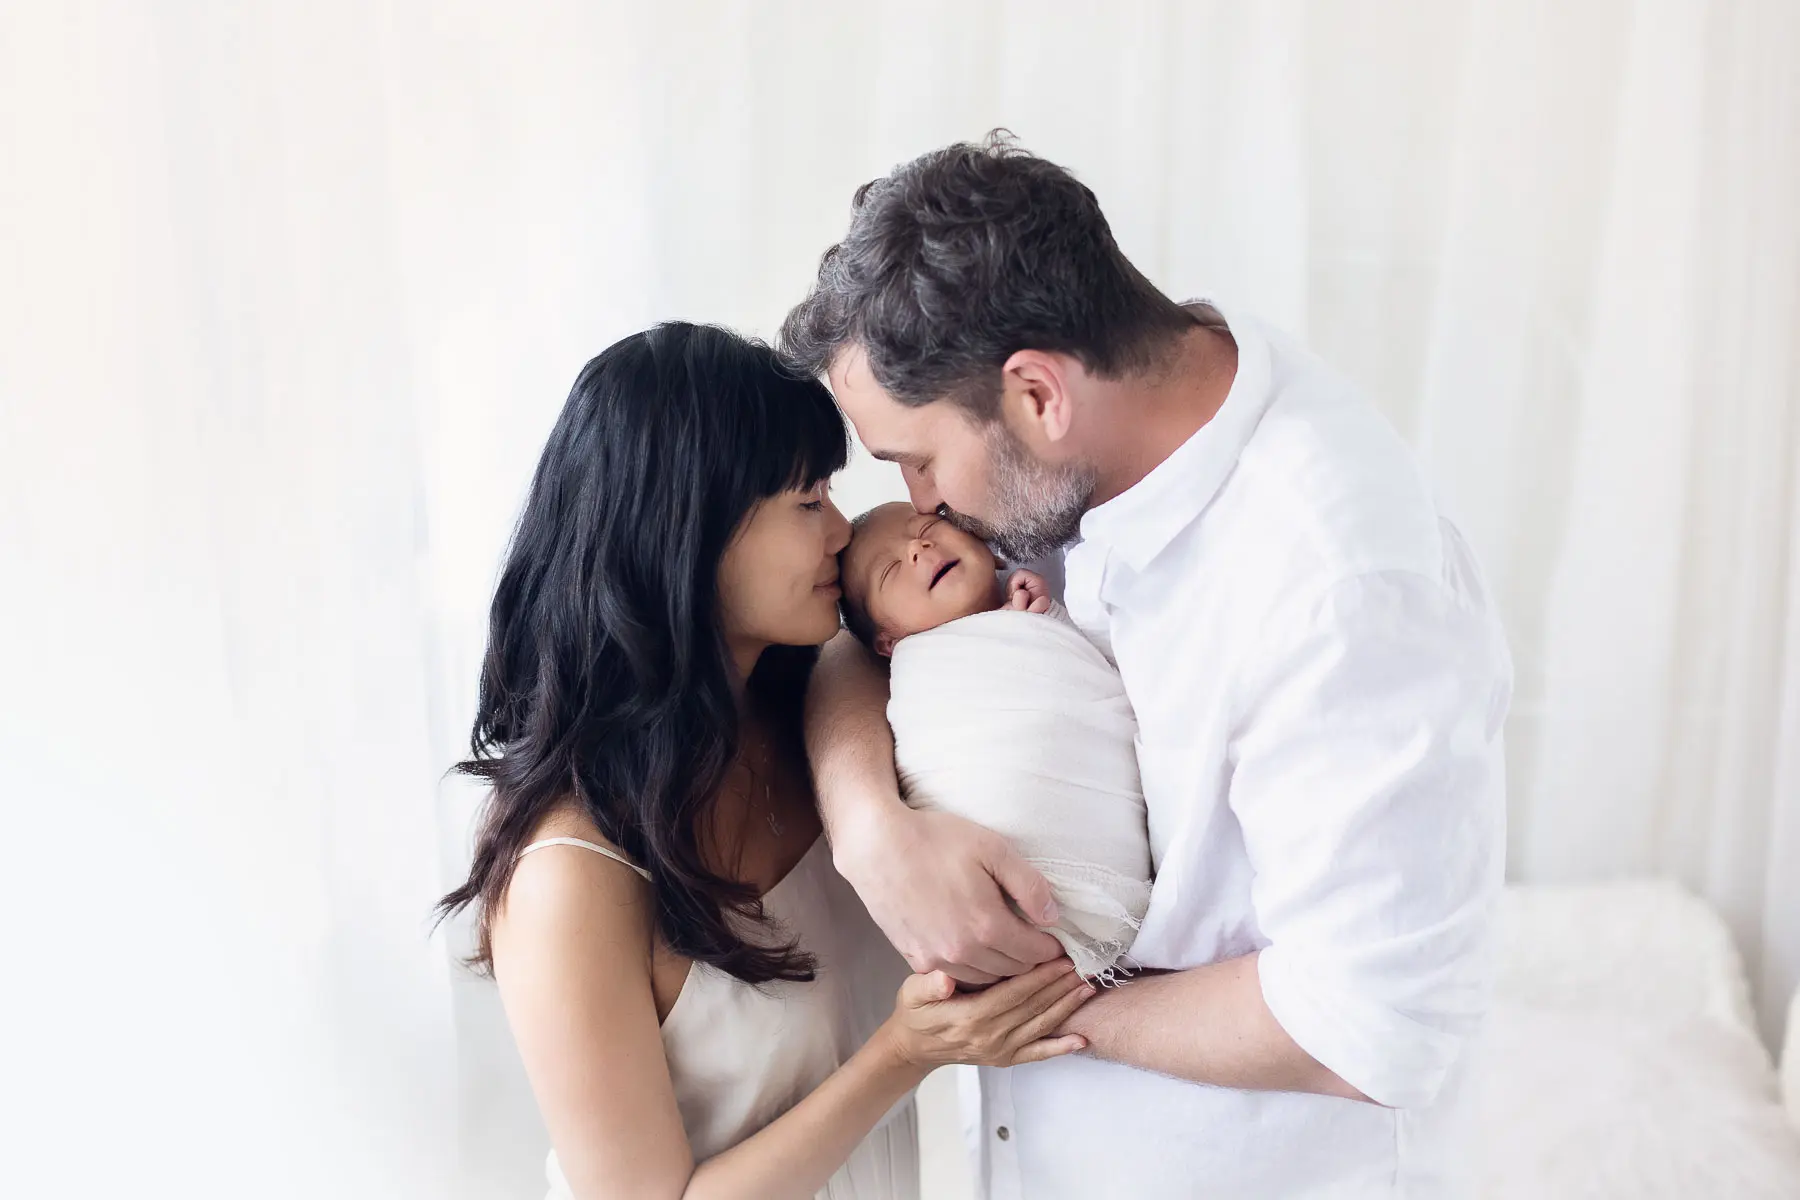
(924, 497)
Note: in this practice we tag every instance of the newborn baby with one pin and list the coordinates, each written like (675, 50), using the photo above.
(1005, 714)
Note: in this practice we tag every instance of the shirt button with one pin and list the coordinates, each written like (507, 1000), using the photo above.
(1003, 1133)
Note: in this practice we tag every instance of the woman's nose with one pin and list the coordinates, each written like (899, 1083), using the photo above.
(838, 529)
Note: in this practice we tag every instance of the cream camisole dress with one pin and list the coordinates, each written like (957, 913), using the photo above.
(740, 1056)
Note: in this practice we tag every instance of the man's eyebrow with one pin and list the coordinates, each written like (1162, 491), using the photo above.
(896, 456)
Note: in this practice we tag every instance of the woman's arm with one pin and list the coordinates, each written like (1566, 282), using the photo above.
(572, 953)
(935, 883)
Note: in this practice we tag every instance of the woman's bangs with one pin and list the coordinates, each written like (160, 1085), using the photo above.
(806, 440)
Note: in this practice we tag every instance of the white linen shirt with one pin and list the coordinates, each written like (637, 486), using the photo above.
(1320, 684)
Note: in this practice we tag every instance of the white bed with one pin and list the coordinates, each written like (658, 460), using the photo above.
(1622, 1061)
(1622, 1057)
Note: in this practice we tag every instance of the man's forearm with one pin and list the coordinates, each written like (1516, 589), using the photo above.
(848, 742)
(1209, 1025)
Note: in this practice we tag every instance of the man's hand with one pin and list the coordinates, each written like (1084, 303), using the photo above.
(1026, 591)
(937, 885)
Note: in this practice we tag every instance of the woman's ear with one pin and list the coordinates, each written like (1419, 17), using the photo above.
(1035, 392)
(884, 644)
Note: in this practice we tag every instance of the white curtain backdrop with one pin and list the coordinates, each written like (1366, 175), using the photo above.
(290, 293)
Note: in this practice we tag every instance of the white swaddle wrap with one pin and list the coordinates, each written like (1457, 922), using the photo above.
(1017, 722)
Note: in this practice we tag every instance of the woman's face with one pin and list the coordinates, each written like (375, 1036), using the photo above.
(778, 581)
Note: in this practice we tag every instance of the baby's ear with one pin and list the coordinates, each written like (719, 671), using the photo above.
(884, 644)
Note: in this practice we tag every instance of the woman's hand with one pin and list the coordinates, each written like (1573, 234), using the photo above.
(1026, 591)
(1008, 1024)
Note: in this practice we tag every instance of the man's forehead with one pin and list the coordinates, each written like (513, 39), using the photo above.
(886, 426)
(850, 366)
(853, 382)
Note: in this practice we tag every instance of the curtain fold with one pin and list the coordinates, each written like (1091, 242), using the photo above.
(292, 294)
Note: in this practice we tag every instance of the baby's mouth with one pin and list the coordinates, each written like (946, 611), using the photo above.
(943, 571)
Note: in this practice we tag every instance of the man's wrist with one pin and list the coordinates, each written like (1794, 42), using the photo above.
(1094, 1020)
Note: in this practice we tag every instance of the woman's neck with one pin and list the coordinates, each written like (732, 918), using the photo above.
(744, 656)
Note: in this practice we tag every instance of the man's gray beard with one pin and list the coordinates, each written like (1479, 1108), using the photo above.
(1037, 507)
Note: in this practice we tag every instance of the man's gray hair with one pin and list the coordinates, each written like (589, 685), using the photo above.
(960, 258)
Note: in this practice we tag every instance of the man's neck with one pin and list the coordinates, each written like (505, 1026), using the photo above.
(1153, 415)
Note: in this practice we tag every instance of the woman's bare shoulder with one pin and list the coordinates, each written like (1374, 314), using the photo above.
(567, 820)
(563, 893)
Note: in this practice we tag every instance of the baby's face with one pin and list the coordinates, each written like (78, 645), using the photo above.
(912, 572)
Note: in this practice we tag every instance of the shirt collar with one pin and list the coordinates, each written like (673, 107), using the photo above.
(1140, 522)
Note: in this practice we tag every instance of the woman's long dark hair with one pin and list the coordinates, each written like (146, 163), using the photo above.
(607, 681)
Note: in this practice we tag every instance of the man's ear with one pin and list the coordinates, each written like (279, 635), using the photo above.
(1035, 393)
(884, 644)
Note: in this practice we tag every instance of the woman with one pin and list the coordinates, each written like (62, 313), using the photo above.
(702, 1004)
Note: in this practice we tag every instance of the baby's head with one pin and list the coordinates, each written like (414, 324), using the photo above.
(905, 572)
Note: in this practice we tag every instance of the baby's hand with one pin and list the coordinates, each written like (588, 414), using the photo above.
(1027, 592)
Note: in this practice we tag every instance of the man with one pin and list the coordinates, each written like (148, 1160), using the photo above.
(1319, 680)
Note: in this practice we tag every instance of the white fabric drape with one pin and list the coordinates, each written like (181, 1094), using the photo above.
(290, 293)
(1017, 722)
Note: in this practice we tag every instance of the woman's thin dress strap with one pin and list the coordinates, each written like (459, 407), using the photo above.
(597, 849)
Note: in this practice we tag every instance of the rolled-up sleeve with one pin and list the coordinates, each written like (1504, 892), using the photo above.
(1368, 781)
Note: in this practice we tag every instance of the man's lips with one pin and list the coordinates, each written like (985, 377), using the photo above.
(943, 571)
